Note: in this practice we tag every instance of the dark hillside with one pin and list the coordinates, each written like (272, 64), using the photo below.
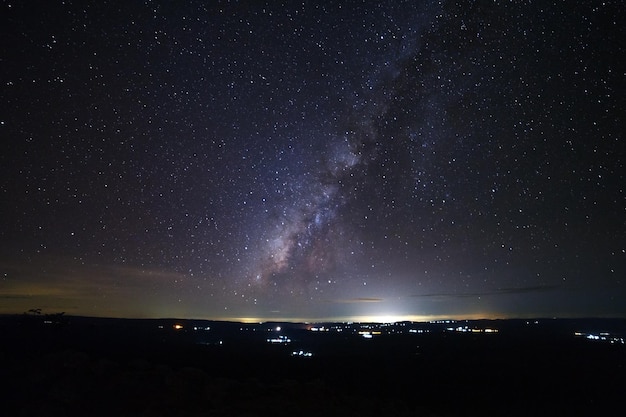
(102, 367)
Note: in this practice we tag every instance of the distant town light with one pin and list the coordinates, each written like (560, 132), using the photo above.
(279, 339)
(302, 353)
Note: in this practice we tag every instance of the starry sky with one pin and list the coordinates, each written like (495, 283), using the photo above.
(313, 160)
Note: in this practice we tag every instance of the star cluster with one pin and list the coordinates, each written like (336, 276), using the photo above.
(313, 160)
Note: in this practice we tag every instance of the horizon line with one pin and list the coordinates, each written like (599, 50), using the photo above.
(338, 319)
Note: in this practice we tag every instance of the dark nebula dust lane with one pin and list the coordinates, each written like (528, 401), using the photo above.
(310, 161)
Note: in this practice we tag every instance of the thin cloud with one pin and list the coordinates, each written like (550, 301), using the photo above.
(66, 275)
(13, 296)
(358, 300)
(502, 291)
(57, 284)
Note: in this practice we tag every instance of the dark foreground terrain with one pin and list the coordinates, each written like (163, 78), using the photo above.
(70, 366)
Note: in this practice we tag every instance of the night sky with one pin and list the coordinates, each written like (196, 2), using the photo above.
(313, 160)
